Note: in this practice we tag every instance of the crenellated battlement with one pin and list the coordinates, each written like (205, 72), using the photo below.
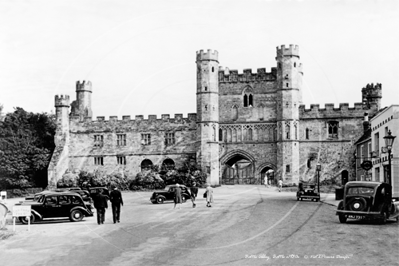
(371, 90)
(209, 55)
(83, 86)
(329, 111)
(61, 101)
(226, 75)
(151, 118)
(292, 50)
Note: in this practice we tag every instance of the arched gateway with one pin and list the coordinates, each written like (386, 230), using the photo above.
(238, 167)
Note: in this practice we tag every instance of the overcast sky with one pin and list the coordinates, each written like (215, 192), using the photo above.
(140, 55)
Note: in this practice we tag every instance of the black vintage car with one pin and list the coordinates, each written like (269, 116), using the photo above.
(367, 200)
(52, 204)
(168, 194)
(307, 192)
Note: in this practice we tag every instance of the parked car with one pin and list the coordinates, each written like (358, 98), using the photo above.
(84, 193)
(168, 194)
(307, 192)
(367, 200)
(52, 204)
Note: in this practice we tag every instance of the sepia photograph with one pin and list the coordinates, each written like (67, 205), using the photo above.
(199, 132)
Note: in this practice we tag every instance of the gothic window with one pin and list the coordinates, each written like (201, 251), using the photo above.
(121, 139)
(121, 160)
(220, 134)
(169, 138)
(98, 140)
(146, 139)
(146, 165)
(248, 97)
(307, 133)
(333, 129)
(98, 160)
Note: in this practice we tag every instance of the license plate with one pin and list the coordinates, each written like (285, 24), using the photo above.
(355, 217)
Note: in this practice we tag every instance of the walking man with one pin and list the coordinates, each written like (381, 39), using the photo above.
(100, 203)
(116, 201)
(178, 199)
(194, 193)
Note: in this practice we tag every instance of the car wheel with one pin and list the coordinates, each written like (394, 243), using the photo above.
(357, 204)
(76, 216)
(301, 199)
(24, 220)
(342, 218)
(160, 200)
(183, 198)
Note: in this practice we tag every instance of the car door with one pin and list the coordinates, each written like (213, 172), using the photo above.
(51, 207)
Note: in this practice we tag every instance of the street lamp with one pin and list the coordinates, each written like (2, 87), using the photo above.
(388, 144)
(318, 169)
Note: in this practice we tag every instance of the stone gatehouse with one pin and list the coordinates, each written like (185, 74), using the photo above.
(245, 125)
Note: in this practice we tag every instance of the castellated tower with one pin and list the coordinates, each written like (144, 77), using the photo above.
(62, 115)
(208, 114)
(82, 106)
(289, 86)
(60, 159)
(372, 94)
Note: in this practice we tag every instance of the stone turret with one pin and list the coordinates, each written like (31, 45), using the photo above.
(208, 114)
(372, 94)
(82, 106)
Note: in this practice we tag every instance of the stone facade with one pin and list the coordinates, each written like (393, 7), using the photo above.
(247, 124)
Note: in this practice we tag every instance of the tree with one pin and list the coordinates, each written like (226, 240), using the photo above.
(26, 146)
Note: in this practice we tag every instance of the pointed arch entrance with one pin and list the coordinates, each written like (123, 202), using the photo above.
(238, 168)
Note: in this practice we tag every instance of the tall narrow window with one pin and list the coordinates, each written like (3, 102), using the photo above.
(121, 160)
(245, 100)
(296, 131)
(250, 134)
(234, 113)
(307, 133)
(213, 69)
(98, 140)
(294, 64)
(121, 139)
(146, 139)
(377, 143)
(333, 129)
(250, 102)
(220, 134)
(287, 168)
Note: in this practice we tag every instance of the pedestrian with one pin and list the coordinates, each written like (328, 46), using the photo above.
(100, 203)
(194, 193)
(177, 198)
(280, 185)
(116, 201)
(266, 182)
(209, 195)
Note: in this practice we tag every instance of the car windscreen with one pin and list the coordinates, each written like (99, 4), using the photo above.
(360, 191)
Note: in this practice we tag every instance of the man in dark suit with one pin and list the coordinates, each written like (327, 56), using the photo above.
(100, 203)
(116, 200)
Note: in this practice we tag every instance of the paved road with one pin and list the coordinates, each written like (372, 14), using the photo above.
(247, 225)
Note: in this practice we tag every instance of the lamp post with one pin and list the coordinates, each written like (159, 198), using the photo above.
(388, 144)
(318, 169)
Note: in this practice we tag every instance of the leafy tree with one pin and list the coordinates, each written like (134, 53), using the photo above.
(26, 146)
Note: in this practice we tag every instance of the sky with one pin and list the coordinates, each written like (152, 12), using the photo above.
(140, 55)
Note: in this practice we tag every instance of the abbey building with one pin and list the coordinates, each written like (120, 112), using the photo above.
(245, 125)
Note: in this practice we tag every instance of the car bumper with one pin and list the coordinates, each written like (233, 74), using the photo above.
(354, 213)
